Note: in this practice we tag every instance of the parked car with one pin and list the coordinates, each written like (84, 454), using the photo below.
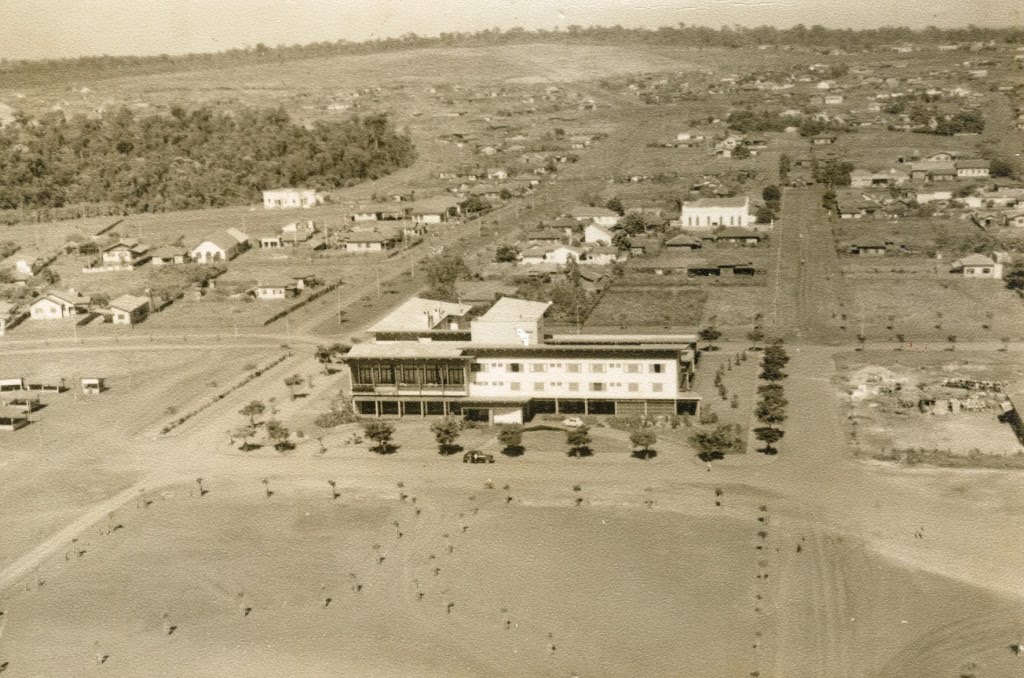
(477, 457)
(573, 422)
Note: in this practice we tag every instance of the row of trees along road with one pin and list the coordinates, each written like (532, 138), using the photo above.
(448, 429)
(771, 408)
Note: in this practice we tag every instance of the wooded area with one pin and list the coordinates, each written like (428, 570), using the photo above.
(188, 159)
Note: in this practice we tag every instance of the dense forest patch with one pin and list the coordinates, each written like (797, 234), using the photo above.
(187, 159)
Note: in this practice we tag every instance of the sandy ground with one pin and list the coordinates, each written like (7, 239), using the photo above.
(677, 589)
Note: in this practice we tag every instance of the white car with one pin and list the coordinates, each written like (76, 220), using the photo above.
(573, 422)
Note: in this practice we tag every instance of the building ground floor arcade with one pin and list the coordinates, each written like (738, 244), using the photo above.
(506, 411)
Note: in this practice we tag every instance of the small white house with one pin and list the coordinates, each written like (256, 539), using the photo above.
(58, 305)
(598, 234)
(563, 253)
(977, 266)
(288, 198)
(168, 255)
(368, 242)
(123, 253)
(435, 210)
(128, 309)
(597, 215)
(275, 290)
(973, 168)
(924, 197)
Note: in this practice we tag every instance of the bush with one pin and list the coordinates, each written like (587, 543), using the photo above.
(332, 419)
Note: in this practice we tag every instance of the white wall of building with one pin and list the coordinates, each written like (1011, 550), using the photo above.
(575, 378)
(708, 218)
(289, 198)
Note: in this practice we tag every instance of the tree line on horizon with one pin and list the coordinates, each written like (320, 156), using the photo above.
(23, 72)
(186, 159)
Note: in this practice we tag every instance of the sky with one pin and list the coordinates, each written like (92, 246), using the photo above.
(40, 29)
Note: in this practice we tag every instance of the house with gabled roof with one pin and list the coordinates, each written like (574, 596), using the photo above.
(598, 215)
(128, 309)
(368, 242)
(734, 235)
(683, 241)
(123, 253)
(378, 212)
(977, 266)
(222, 246)
(546, 236)
(168, 255)
(58, 305)
(435, 210)
(275, 289)
(975, 167)
(598, 234)
(602, 255)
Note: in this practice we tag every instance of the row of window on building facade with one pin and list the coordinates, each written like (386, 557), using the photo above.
(596, 368)
(441, 374)
(594, 386)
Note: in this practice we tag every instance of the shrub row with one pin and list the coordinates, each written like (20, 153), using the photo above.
(312, 297)
(223, 394)
(917, 456)
(399, 250)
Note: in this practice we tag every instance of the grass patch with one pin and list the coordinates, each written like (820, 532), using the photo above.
(682, 307)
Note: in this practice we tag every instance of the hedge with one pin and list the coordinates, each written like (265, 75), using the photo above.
(312, 297)
(223, 394)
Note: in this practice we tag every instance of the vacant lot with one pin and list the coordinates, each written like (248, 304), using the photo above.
(82, 448)
(927, 306)
(734, 310)
(442, 589)
(675, 308)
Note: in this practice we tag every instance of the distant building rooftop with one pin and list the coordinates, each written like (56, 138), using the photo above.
(419, 315)
(508, 309)
(739, 201)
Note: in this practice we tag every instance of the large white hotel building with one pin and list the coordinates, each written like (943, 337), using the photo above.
(427, 359)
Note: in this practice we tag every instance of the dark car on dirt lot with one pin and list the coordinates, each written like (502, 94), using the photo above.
(477, 457)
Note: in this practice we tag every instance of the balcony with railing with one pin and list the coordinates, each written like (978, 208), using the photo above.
(403, 389)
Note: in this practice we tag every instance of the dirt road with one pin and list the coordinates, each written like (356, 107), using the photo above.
(806, 269)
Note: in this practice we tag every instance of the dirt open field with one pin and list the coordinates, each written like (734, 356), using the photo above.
(928, 307)
(588, 591)
(148, 384)
(677, 307)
